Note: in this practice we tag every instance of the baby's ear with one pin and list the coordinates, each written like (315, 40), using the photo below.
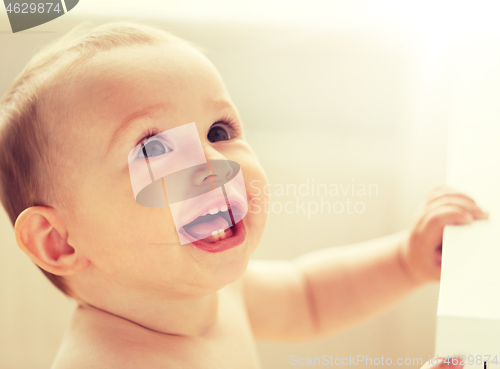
(42, 235)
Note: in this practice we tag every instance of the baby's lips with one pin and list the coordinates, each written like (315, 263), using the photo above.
(184, 212)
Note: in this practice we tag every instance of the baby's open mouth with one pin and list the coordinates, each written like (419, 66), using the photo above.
(212, 226)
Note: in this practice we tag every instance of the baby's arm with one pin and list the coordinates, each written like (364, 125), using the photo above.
(326, 290)
(330, 289)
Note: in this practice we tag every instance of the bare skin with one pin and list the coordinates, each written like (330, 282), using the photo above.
(178, 306)
(96, 339)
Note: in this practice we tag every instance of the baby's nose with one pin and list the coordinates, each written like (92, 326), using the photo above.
(217, 172)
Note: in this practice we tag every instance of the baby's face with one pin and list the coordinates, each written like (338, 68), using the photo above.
(129, 94)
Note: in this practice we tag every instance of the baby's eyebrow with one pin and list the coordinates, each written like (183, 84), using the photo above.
(129, 121)
(219, 104)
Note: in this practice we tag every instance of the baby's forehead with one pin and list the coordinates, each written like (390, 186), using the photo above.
(117, 82)
(145, 69)
(95, 97)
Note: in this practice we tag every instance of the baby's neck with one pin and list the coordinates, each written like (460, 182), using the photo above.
(182, 316)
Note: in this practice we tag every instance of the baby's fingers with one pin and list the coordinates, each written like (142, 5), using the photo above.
(446, 191)
(433, 222)
(465, 203)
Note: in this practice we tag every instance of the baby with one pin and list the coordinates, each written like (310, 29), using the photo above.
(70, 126)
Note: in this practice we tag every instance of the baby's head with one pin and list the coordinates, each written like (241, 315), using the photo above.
(68, 125)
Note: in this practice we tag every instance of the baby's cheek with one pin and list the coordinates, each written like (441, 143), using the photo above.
(148, 226)
(255, 183)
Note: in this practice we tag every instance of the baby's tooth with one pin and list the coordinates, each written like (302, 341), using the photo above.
(223, 208)
(221, 231)
(213, 211)
(214, 233)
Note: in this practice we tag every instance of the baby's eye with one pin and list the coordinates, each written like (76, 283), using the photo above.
(218, 133)
(153, 148)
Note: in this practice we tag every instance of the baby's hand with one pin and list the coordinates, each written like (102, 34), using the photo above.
(421, 251)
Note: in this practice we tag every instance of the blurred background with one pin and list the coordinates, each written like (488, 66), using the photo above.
(331, 92)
